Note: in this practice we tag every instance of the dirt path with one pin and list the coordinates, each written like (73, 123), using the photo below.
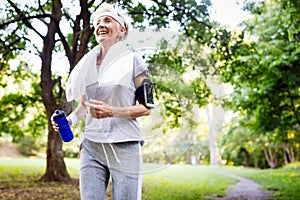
(245, 189)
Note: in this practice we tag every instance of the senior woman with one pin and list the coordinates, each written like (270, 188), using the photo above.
(105, 81)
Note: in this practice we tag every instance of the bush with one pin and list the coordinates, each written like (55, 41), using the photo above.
(30, 146)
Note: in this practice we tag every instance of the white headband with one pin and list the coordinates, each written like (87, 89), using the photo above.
(112, 15)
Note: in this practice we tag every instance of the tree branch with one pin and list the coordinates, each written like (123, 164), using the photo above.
(25, 19)
(92, 2)
(64, 42)
(178, 9)
(181, 10)
(35, 47)
(41, 6)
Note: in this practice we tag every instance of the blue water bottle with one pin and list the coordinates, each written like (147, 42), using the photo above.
(64, 128)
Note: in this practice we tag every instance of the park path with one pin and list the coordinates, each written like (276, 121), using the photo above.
(245, 189)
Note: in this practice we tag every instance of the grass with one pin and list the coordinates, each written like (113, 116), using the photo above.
(185, 182)
(18, 180)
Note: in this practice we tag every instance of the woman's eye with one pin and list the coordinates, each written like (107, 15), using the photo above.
(104, 21)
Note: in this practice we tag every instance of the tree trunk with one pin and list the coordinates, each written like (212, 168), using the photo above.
(167, 158)
(56, 169)
(214, 125)
(188, 157)
(289, 156)
(271, 156)
(215, 115)
(247, 157)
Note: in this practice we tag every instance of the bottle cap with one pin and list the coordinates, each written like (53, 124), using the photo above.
(58, 114)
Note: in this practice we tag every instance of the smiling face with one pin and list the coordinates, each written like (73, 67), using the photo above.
(108, 31)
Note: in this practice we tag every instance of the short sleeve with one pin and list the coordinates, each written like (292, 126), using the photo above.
(139, 65)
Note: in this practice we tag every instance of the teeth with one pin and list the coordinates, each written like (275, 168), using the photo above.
(102, 32)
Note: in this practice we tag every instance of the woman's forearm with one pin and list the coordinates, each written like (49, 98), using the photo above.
(130, 112)
(99, 109)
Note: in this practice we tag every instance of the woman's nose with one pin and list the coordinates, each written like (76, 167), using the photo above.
(101, 24)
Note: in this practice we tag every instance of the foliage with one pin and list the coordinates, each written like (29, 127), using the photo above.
(166, 69)
(31, 146)
(21, 110)
(159, 14)
(292, 7)
(168, 64)
(20, 102)
(265, 75)
(20, 18)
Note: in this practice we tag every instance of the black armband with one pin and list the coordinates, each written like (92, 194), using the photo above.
(144, 94)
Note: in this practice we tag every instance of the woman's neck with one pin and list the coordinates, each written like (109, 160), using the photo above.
(101, 55)
(104, 47)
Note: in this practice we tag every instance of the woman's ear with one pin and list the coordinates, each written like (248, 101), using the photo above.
(123, 33)
(123, 29)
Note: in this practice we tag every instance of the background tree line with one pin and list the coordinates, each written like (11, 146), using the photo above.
(264, 72)
(261, 63)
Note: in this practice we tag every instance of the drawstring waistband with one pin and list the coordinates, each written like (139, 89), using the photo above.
(114, 152)
(106, 156)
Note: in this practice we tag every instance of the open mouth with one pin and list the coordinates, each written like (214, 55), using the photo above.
(102, 32)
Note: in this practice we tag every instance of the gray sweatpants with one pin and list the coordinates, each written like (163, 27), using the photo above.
(121, 161)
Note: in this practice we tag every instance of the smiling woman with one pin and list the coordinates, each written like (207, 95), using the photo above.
(108, 31)
(105, 81)
(105, 23)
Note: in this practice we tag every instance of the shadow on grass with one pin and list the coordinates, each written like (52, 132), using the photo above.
(29, 188)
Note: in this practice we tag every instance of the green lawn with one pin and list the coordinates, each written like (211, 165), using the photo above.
(185, 182)
(18, 180)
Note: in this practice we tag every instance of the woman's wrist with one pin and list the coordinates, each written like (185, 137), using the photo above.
(73, 118)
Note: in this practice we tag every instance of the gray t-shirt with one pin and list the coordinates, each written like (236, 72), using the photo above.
(115, 87)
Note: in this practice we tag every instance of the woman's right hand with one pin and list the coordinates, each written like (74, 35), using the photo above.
(54, 125)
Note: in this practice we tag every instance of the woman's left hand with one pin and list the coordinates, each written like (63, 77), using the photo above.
(99, 109)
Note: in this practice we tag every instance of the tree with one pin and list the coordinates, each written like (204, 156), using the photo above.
(50, 14)
(24, 20)
(265, 75)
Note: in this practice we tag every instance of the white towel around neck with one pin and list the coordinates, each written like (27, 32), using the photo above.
(85, 72)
